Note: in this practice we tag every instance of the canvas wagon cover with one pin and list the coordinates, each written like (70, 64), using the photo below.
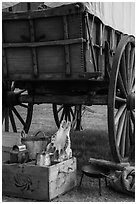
(118, 15)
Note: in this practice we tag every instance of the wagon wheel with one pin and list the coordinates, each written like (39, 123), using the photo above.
(68, 113)
(121, 101)
(15, 116)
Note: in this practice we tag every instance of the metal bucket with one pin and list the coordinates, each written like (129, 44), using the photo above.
(36, 143)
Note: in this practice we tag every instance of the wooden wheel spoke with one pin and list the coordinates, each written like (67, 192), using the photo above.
(60, 108)
(123, 138)
(127, 53)
(117, 98)
(62, 116)
(131, 130)
(132, 67)
(18, 116)
(121, 86)
(133, 78)
(74, 122)
(72, 113)
(133, 82)
(123, 70)
(120, 128)
(132, 116)
(127, 141)
(119, 113)
(68, 114)
(12, 120)
(4, 113)
(24, 105)
(132, 58)
(133, 88)
(12, 87)
(7, 121)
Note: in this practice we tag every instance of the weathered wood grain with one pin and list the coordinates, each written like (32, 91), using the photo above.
(59, 11)
(39, 183)
(88, 99)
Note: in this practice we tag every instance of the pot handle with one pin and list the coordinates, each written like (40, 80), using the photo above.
(39, 131)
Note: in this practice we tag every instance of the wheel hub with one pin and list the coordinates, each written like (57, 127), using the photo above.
(131, 101)
(12, 99)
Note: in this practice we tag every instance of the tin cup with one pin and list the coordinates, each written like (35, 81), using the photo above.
(43, 159)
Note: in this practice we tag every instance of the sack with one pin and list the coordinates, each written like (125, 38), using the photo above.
(36, 143)
(124, 181)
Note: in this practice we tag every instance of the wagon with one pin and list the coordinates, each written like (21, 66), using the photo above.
(67, 56)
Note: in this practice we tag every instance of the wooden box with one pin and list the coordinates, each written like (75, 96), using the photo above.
(8, 140)
(39, 183)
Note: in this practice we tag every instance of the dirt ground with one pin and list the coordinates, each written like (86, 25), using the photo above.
(94, 143)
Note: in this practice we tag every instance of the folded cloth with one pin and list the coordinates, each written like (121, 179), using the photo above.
(124, 181)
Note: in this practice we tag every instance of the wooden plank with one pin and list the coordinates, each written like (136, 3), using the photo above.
(25, 181)
(107, 165)
(49, 29)
(62, 177)
(59, 11)
(4, 63)
(24, 75)
(34, 56)
(49, 43)
(67, 55)
(66, 99)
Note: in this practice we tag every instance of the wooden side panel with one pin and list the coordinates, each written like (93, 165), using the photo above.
(75, 26)
(19, 61)
(25, 181)
(39, 183)
(22, 6)
(77, 58)
(62, 177)
(51, 61)
(16, 31)
(47, 29)
(56, 61)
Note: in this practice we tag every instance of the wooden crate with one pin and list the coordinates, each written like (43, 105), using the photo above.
(39, 183)
(8, 140)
